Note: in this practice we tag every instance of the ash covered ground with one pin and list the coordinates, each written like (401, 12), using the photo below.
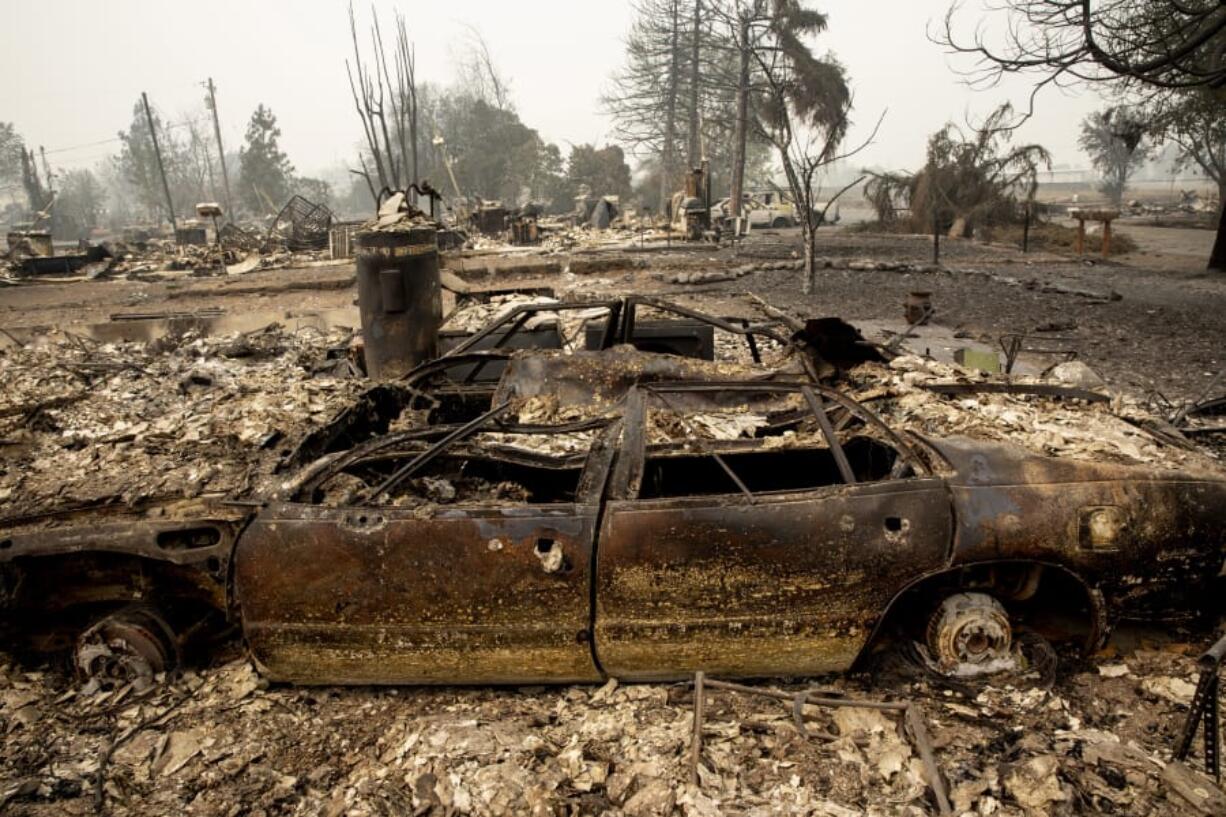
(200, 411)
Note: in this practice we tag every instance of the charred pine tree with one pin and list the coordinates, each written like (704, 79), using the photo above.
(972, 177)
(744, 22)
(741, 130)
(36, 195)
(803, 109)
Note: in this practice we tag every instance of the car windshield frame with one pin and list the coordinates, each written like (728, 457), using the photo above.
(819, 400)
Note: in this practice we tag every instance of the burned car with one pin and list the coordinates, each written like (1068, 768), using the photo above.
(753, 527)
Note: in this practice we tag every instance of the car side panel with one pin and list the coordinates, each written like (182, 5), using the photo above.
(384, 596)
(1148, 539)
(789, 585)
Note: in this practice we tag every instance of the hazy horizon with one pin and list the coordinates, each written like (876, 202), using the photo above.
(78, 67)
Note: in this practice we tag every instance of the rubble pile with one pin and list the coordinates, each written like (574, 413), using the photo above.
(87, 423)
(1101, 432)
(219, 741)
(1190, 203)
(120, 260)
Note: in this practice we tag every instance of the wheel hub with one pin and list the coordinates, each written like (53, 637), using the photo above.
(128, 647)
(969, 630)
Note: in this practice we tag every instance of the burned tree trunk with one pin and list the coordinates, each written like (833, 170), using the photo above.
(1217, 258)
(695, 148)
(742, 117)
(668, 160)
(809, 234)
(392, 146)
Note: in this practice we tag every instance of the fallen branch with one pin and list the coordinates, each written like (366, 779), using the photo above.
(913, 725)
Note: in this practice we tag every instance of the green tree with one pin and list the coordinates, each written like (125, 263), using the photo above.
(137, 161)
(266, 172)
(314, 190)
(1115, 141)
(11, 148)
(550, 184)
(494, 154)
(80, 204)
(604, 171)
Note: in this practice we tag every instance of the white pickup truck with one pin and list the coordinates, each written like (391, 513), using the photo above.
(766, 209)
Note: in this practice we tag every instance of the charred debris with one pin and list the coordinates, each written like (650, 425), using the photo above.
(586, 485)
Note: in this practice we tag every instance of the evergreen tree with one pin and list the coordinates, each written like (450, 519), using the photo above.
(11, 148)
(266, 173)
(604, 171)
(137, 161)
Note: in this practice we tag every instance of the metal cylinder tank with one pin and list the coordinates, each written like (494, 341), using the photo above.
(399, 298)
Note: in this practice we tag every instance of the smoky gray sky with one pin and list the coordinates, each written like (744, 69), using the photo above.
(74, 68)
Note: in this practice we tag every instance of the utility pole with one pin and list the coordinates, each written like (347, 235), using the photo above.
(157, 152)
(225, 176)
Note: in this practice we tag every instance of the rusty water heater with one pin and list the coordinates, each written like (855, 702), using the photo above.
(399, 298)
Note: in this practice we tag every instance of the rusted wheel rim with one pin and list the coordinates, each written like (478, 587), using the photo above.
(969, 629)
(128, 647)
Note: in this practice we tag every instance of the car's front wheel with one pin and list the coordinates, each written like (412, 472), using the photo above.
(129, 646)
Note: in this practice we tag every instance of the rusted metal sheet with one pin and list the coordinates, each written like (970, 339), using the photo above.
(1150, 540)
(788, 585)
(385, 596)
(53, 578)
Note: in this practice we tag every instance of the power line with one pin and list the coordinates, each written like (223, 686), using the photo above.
(85, 145)
(114, 139)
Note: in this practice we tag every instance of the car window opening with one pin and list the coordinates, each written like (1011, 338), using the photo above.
(777, 470)
(457, 481)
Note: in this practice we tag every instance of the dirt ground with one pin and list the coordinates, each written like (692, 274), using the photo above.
(1093, 737)
(1163, 334)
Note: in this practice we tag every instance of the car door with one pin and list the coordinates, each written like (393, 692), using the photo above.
(478, 593)
(778, 582)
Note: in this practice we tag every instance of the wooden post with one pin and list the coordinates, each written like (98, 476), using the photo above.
(157, 152)
(1081, 236)
(696, 741)
(1106, 237)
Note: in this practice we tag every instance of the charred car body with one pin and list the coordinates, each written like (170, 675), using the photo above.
(658, 519)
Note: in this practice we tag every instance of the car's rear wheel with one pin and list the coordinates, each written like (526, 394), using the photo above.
(131, 645)
(970, 633)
